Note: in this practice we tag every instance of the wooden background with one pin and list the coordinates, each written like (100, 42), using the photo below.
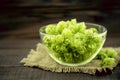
(21, 19)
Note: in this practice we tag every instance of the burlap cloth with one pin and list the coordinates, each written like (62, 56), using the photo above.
(41, 59)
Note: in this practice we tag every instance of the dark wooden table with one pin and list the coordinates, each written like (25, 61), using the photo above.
(12, 51)
(20, 21)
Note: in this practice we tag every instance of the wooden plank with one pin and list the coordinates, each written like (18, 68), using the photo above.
(43, 9)
(21, 73)
(112, 42)
(12, 57)
(31, 43)
(27, 73)
(14, 44)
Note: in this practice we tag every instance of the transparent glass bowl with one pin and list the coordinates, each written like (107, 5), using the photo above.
(75, 56)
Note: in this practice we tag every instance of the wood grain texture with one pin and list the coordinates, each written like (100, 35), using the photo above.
(11, 69)
(18, 44)
(26, 73)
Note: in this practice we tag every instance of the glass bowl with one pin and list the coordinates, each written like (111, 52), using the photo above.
(73, 51)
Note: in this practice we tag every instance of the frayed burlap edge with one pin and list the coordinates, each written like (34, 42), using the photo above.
(40, 58)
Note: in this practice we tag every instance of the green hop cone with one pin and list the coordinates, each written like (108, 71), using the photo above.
(108, 62)
(72, 42)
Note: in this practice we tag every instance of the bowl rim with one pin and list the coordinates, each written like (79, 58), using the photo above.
(86, 23)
